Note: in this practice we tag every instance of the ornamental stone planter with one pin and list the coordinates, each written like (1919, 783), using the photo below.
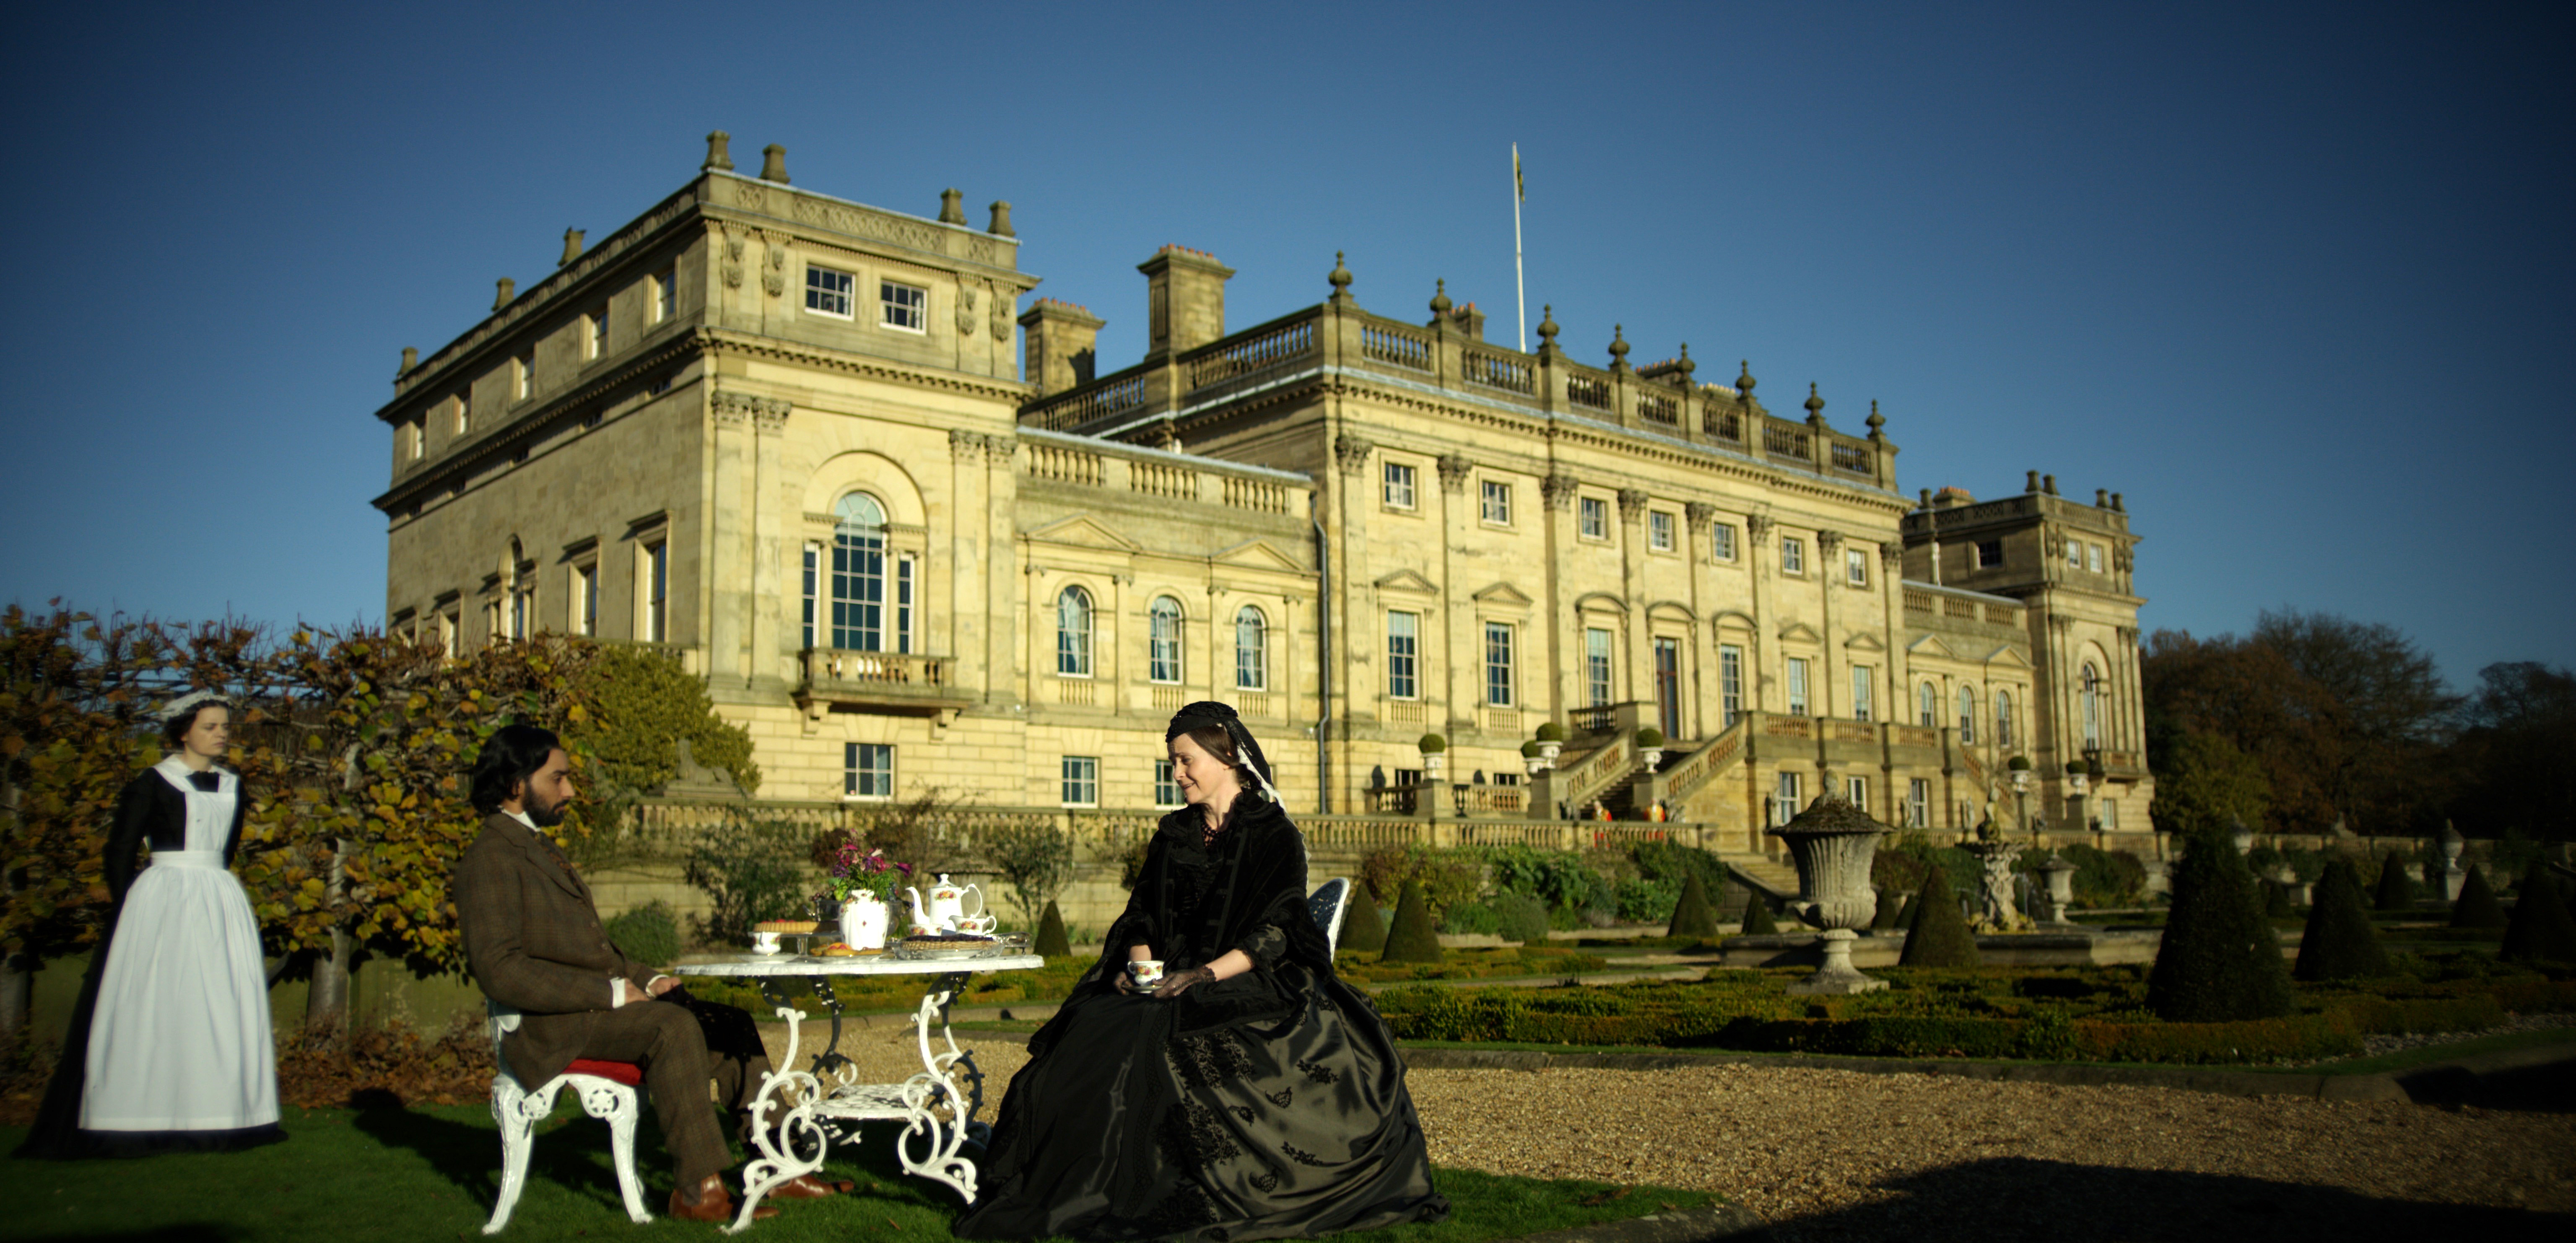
(2453, 875)
(2059, 876)
(1832, 843)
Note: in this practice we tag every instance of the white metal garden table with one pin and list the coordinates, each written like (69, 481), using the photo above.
(936, 1106)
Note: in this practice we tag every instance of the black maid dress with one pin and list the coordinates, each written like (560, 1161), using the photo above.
(1271, 1105)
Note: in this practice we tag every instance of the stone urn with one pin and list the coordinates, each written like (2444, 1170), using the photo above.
(2453, 875)
(2058, 893)
(1832, 843)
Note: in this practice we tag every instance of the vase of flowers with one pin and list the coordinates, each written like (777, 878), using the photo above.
(863, 882)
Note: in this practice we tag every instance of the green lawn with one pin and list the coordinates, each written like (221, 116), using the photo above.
(403, 1175)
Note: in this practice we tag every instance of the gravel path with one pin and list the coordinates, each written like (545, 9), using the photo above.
(1827, 1154)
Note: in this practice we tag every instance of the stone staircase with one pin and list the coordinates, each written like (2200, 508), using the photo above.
(1776, 878)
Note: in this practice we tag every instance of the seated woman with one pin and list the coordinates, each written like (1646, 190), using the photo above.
(1249, 1094)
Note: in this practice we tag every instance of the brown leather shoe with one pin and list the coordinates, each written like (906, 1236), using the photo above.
(808, 1187)
(709, 1201)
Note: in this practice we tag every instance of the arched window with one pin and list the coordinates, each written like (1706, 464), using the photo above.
(1967, 714)
(1163, 642)
(1073, 633)
(859, 574)
(1251, 650)
(2091, 684)
(2003, 718)
(1927, 706)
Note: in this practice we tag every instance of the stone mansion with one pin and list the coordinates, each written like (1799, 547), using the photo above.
(915, 536)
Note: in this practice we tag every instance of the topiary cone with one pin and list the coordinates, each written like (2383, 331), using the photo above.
(2540, 930)
(1363, 929)
(1412, 939)
(2396, 892)
(2276, 900)
(2477, 907)
(2220, 961)
(1757, 917)
(2339, 943)
(1051, 941)
(1692, 916)
(1905, 917)
(1940, 937)
(1891, 904)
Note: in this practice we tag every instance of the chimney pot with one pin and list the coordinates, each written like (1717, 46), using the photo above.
(504, 290)
(719, 157)
(1001, 226)
(572, 247)
(411, 360)
(773, 163)
(952, 206)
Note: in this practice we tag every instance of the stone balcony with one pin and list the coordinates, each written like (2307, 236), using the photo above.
(886, 683)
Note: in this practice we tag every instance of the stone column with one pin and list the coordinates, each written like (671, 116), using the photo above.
(727, 571)
(770, 658)
(1556, 494)
(1836, 674)
(1632, 592)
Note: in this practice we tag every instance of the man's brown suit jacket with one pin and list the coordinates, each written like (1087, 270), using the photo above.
(534, 943)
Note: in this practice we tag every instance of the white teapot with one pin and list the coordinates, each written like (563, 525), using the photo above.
(947, 907)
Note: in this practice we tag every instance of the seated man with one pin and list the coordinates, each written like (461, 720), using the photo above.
(534, 943)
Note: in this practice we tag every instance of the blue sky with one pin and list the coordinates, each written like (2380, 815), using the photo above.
(2288, 277)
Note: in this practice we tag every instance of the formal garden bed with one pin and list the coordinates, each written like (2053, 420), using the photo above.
(2097, 1014)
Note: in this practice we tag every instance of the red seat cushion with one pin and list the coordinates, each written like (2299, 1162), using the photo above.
(627, 1073)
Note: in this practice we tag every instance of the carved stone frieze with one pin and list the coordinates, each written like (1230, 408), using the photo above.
(1558, 490)
(1351, 452)
(968, 322)
(1453, 471)
(963, 443)
(1001, 320)
(1632, 502)
(773, 278)
(735, 409)
(733, 262)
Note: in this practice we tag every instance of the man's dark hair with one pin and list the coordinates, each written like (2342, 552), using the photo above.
(513, 755)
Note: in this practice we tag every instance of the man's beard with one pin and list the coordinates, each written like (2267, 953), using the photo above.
(545, 816)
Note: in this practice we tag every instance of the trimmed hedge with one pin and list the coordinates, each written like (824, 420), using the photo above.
(1412, 938)
(2220, 960)
(2540, 930)
(2396, 889)
(1692, 916)
(2339, 943)
(1363, 929)
(1940, 937)
(649, 934)
(1890, 905)
(1051, 940)
(1472, 964)
(2477, 907)
(1757, 917)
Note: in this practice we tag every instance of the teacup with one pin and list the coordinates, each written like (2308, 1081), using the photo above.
(764, 942)
(980, 925)
(1145, 972)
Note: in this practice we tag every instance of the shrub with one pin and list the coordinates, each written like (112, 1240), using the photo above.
(2396, 889)
(1890, 905)
(1554, 877)
(1035, 859)
(750, 871)
(1550, 731)
(2477, 907)
(648, 934)
(1905, 916)
(1411, 940)
(1051, 940)
(1940, 936)
(1673, 862)
(1362, 930)
(1518, 917)
(1642, 901)
(2339, 943)
(1757, 917)
(1692, 914)
(1474, 918)
(2106, 877)
(1650, 739)
(2220, 961)
(1446, 877)
(2276, 900)
(2540, 930)
(649, 704)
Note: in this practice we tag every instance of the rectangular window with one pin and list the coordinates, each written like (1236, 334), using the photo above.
(1918, 803)
(1784, 799)
(2109, 815)
(2003, 719)
(1498, 664)
(1592, 518)
(1668, 688)
(1862, 677)
(1167, 792)
(1721, 542)
(1659, 531)
(1990, 554)
(666, 295)
(1397, 491)
(903, 307)
(1793, 555)
(1797, 686)
(449, 627)
(1163, 642)
(657, 592)
(1251, 650)
(1596, 667)
(585, 598)
(813, 573)
(903, 605)
(1730, 681)
(464, 414)
(828, 292)
(416, 438)
(1081, 781)
(523, 612)
(1856, 792)
(523, 376)
(1967, 715)
(594, 337)
(2074, 555)
(1403, 648)
(2093, 557)
(867, 770)
(1497, 507)
(1856, 567)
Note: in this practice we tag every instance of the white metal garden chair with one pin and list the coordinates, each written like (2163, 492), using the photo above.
(607, 1091)
(1327, 904)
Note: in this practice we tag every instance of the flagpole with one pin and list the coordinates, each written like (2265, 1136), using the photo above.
(1520, 296)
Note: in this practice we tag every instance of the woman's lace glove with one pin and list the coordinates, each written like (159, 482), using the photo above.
(1178, 982)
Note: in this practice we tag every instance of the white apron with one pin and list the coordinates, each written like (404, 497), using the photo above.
(180, 1041)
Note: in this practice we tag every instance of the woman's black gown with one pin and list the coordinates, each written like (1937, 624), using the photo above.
(1265, 1106)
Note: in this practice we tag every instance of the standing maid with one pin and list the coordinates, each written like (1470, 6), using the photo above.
(169, 1046)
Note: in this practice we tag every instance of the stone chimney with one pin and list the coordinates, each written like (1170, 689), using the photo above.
(1060, 337)
(1184, 299)
(773, 163)
(572, 247)
(503, 291)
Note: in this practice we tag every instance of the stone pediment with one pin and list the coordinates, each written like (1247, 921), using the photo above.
(1503, 595)
(2008, 656)
(1082, 531)
(1799, 632)
(1671, 610)
(1407, 580)
(1257, 555)
(1928, 645)
(1864, 641)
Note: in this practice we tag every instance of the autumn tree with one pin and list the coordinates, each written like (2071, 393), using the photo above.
(2513, 752)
